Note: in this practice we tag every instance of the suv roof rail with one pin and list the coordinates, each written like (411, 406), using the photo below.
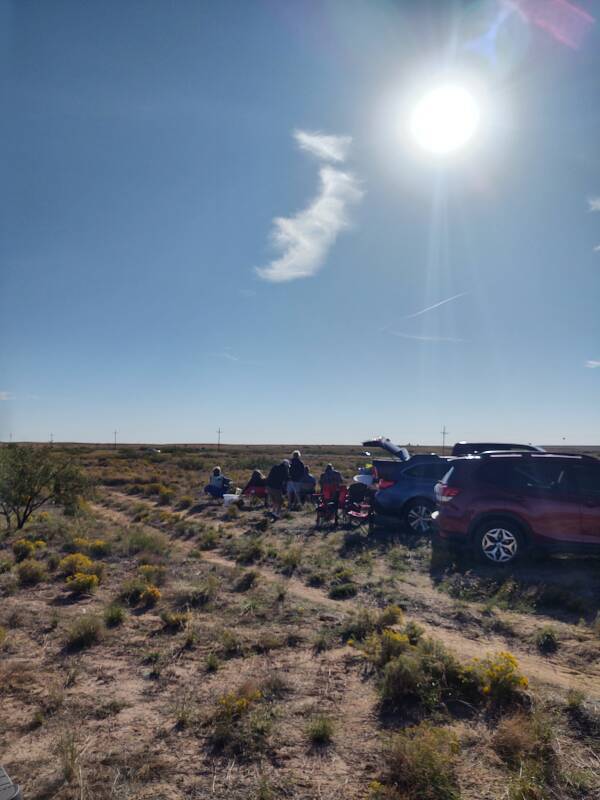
(533, 454)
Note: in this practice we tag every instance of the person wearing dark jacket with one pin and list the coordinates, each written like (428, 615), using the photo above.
(294, 487)
(276, 484)
(330, 477)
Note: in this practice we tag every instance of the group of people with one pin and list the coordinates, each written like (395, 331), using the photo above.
(291, 477)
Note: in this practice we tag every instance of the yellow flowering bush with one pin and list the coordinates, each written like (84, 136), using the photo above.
(23, 549)
(150, 596)
(500, 677)
(76, 562)
(82, 583)
(382, 648)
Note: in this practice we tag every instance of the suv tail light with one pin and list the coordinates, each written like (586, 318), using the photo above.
(383, 484)
(447, 493)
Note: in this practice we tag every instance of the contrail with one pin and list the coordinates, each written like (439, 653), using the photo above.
(435, 305)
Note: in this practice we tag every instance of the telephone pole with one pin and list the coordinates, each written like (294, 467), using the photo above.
(444, 433)
(219, 432)
(51, 439)
(115, 435)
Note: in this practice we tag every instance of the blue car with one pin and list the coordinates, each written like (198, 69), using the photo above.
(405, 484)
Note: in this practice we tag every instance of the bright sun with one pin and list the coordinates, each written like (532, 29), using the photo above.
(444, 119)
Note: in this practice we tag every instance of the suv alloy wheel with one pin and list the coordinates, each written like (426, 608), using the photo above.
(498, 542)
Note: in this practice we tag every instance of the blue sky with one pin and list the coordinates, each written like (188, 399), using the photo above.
(150, 148)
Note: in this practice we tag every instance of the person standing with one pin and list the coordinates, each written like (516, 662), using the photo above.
(294, 487)
(330, 477)
(276, 483)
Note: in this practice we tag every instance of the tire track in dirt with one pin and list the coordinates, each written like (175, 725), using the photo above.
(537, 668)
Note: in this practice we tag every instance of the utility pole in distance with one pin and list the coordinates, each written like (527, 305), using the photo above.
(115, 435)
(51, 439)
(444, 433)
(219, 432)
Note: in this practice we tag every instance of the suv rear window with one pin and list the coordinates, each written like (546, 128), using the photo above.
(430, 471)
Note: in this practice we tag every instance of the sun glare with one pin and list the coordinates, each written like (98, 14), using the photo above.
(444, 119)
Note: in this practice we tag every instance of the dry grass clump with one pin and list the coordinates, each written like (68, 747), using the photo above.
(146, 541)
(420, 764)
(198, 594)
(320, 730)
(131, 590)
(84, 632)
(98, 548)
(521, 738)
(361, 623)
(153, 573)
(31, 572)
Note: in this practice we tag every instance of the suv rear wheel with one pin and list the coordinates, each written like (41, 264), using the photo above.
(498, 541)
(417, 515)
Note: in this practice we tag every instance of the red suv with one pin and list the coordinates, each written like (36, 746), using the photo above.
(503, 504)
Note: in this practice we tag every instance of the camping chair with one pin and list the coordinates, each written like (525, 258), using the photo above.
(254, 496)
(328, 505)
(8, 789)
(358, 511)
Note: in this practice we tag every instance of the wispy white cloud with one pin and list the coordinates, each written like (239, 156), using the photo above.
(327, 148)
(305, 239)
(228, 356)
(592, 364)
(419, 338)
(597, 248)
(435, 305)
(5, 395)
(594, 203)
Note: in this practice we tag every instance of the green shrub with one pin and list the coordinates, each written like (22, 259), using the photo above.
(153, 573)
(290, 560)
(23, 549)
(197, 594)
(212, 662)
(31, 572)
(84, 632)
(390, 615)
(320, 730)
(246, 581)
(165, 496)
(247, 551)
(185, 502)
(342, 591)
(5, 565)
(174, 620)
(420, 764)
(81, 583)
(381, 649)
(146, 541)
(114, 615)
(546, 640)
(209, 539)
(131, 590)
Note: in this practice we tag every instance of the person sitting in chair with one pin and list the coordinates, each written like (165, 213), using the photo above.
(218, 484)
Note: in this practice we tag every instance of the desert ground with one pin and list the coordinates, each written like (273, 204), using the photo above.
(206, 652)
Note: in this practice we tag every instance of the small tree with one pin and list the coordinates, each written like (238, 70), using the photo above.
(30, 477)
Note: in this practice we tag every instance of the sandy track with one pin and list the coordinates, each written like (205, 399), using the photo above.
(431, 603)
